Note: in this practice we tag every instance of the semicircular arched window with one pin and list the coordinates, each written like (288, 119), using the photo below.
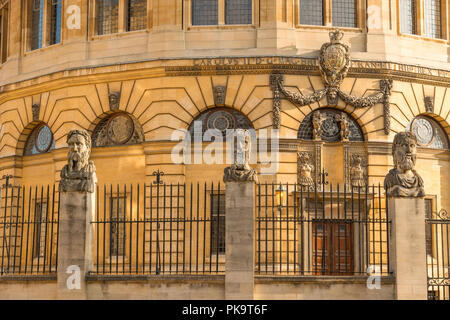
(220, 120)
(429, 133)
(40, 140)
(331, 127)
(117, 129)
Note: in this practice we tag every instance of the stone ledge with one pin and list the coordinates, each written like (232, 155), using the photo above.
(319, 279)
(36, 277)
(166, 278)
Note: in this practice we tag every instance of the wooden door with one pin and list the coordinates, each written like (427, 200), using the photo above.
(332, 243)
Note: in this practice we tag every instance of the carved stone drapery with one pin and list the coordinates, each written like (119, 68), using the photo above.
(334, 63)
(305, 170)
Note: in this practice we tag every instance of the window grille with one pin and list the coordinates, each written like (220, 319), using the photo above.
(432, 9)
(238, 11)
(37, 23)
(217, 223)
(107, 16)
(408, 17)
(55, 10)
(39, 229)
(344, 13)
(117, 228)
(204, 12)
(136, 15)
(311, 12)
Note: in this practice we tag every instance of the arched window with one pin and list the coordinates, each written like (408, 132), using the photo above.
(429, 133)
(220, 119)
(120, 128)
(331, 127)
(40, 140)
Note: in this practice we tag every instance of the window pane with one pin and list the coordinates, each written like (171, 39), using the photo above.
(37, 22)
(407, 16)
(238, 12)
(137, 15)
(117, 227)
(55, 8)
(432, 18)
(311, 12)
(344, 13)
(204, 12)
(107, 16)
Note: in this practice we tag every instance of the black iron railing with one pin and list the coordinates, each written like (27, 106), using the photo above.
(321, 230)
(160, 229)
(438, 255)
(28, 230)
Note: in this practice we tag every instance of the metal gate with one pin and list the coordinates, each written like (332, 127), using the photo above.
(438, 253)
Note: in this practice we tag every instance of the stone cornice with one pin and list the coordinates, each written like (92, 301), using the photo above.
(217, 66)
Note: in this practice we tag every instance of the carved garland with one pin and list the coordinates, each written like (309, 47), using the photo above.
(333, 63)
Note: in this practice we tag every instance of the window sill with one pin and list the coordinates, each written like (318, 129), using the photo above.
(118, 35)
(329, 28)
(423, 38)
(222, 27)
(30, 52)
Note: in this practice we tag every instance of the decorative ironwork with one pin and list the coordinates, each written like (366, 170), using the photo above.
(158, 174)
(323, 177)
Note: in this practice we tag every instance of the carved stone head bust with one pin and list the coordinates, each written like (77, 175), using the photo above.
(403, 180)
(79, 173)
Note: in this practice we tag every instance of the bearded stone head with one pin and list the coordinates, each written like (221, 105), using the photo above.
(79, 142)
(404, 151)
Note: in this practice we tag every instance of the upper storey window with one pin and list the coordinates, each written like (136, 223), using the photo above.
(338, 13)
(115, 16)
(45, 20)
(219, 12)
(421, 17)
(3, 33)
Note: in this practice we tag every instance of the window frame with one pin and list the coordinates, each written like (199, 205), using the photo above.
(328, 14)
(215, 250)
(122, 23)
(420, 22)
(4, 39)
(46, 26)
(188, 17)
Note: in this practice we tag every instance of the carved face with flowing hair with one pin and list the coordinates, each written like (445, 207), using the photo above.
(79, 142)
(404, 151)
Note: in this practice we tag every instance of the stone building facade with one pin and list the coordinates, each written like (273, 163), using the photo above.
(134, 73)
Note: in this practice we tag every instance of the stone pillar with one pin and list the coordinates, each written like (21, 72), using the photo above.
(76, 242)
(407, 247)
(240, 240)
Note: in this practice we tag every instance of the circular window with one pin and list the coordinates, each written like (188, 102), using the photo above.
(429, 133)
(40, 140)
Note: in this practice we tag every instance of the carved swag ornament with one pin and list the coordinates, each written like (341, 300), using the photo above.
(334, 62)
(403, 180)
(79, 173)
(240, 170)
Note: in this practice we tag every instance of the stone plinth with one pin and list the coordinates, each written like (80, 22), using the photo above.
(407, 247)
(240, 240)
(76, 241)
